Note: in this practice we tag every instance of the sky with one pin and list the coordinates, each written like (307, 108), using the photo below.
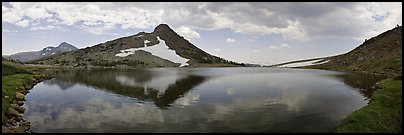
(261, 33)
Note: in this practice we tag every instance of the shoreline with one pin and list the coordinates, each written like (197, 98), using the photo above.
(13, 120)
(382, 114)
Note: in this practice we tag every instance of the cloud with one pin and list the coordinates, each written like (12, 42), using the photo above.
(272, 47)
(187, 32)
(294, 21)
(284, 45)
(256, 51)
(22, 23)
(9, 31)
(43, 27)
(97, 15)
(188, 99)
(96, 30)
(230, 40)
(217, 49)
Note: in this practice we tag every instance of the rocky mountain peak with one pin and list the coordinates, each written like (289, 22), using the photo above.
(163, 29)
(64, 44)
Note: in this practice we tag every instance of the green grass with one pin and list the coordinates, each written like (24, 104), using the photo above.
(388, 67)
(10, 85)
(382, 115)
(15, 76)
(10, 69)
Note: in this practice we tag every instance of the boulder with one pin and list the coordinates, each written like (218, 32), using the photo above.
(21, 129)
(14, 105)
(28, 87)
(12, 112)
(18, 108)
(20, 103)
(19, 96)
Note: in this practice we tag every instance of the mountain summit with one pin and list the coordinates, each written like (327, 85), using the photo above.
(161, 48)
(45, 52)
(67, 46)
(183, 47)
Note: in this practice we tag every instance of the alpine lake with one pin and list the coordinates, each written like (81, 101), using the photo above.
(239, 99)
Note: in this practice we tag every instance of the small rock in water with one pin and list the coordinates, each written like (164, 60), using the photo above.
(24, 92)
(20, 103)
(18, 119)
(20, 109)
(27, 87)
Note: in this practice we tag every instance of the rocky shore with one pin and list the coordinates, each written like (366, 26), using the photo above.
(14, 122)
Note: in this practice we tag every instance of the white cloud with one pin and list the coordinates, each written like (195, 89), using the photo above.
(296, 21)
(48, 27)
(84, 14)
(285, 45)
(272, 47)
(230, 40)
(187, 32)
(256, 51)
(9, 31)
(217, 49)
(22, 23)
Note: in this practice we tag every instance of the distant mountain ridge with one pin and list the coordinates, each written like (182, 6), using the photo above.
(161, 48)
(45, 52)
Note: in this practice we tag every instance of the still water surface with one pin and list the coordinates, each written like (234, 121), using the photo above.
(195, 100)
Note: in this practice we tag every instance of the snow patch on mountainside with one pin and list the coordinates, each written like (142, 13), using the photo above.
(161, 50)
(307, 63)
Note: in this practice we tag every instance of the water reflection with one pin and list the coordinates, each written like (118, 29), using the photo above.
(62, 84)
(163, 87)
(364, 82)
(193, 100)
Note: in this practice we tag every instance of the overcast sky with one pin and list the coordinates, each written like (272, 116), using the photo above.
(264, 33)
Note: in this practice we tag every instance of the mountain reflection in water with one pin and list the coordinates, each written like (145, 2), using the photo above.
(163, 88)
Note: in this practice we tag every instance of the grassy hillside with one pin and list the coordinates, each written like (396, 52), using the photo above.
(379, 55)
(300, 61)
(104, 54)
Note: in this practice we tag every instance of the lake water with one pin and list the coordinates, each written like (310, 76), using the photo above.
(195, 100)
